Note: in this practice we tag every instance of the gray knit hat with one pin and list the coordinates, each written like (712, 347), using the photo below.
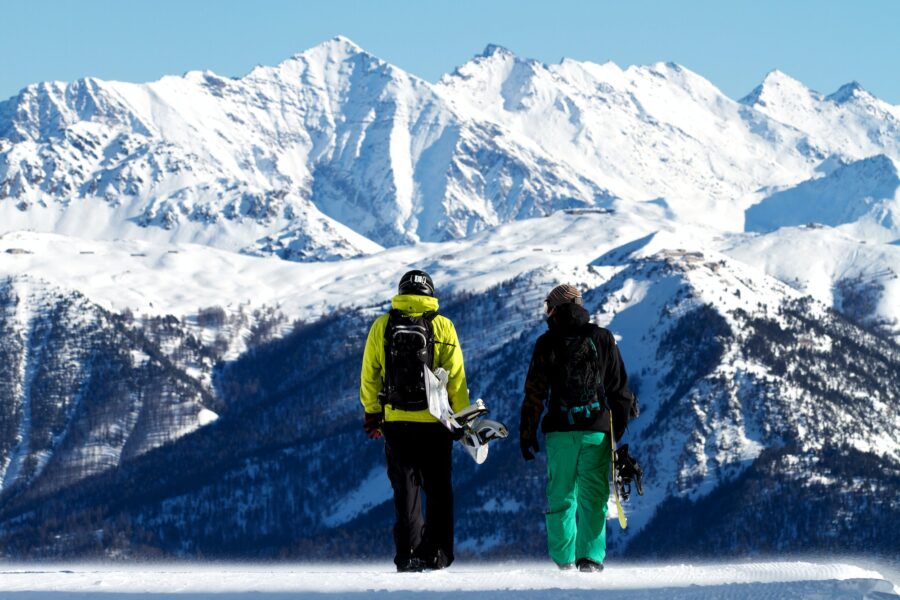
(562, 294)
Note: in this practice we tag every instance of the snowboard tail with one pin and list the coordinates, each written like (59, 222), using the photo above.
(616, 478)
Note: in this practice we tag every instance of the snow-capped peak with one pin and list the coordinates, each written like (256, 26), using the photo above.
(337, 48)
(344, 41)
(849, 91)
(850, 122)
(495, 49)
(776, 88)
(324, 63)
(493, 64)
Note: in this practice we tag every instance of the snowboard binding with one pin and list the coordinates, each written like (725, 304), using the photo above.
(627, 472)
(477, 431)
(467, 415)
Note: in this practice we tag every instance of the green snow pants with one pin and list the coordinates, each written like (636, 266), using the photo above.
(577, 484)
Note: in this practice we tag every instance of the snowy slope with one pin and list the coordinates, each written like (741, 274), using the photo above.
(859, 279)
(863, 195)
(181, 278)
(823, 580)
(714, 399)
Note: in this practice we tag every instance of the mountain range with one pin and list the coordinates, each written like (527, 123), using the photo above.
(190, 267)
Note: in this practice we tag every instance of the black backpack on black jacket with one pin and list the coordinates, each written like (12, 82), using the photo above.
(577, 389)
(408, 347)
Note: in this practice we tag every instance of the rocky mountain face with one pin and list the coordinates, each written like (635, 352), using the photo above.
(171, 387)
(83, 391)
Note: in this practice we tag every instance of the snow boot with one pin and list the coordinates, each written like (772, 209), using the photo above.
(439, 561)
(412, 565)
(566, 566)
(586, 565)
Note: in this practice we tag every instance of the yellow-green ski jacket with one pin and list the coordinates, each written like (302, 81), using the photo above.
(447, 355)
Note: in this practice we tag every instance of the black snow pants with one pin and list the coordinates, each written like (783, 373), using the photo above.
(419, 459)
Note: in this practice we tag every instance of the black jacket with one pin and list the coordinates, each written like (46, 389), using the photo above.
(569, 320)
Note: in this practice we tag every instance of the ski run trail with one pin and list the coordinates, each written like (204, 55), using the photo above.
(824, 579)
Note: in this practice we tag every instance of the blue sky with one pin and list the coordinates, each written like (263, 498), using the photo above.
(733, 43)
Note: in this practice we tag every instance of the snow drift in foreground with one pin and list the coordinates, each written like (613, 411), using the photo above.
(821, 580)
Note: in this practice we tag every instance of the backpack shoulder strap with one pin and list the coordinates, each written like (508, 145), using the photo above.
(429, 317)
(599, 335)
(393, 315)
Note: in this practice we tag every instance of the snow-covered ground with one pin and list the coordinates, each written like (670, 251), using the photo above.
(794, 579)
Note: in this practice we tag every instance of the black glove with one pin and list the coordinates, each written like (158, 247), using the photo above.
(527, 444)
(372, 425)
(457, 433)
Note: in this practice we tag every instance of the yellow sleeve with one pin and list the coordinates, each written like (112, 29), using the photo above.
(371, 377)
(451, 359)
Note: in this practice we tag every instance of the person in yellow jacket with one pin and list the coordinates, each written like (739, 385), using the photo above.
(417, 447)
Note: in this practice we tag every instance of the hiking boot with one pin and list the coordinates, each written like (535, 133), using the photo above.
(439, 561)
(586, 565)
(412, 565)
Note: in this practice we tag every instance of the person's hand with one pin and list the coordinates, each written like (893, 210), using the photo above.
(527, 444)
(372, 425)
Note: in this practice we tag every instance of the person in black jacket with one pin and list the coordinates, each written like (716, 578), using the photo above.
(577, 373)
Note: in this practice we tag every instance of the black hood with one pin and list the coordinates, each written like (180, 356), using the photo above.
(568, 318)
